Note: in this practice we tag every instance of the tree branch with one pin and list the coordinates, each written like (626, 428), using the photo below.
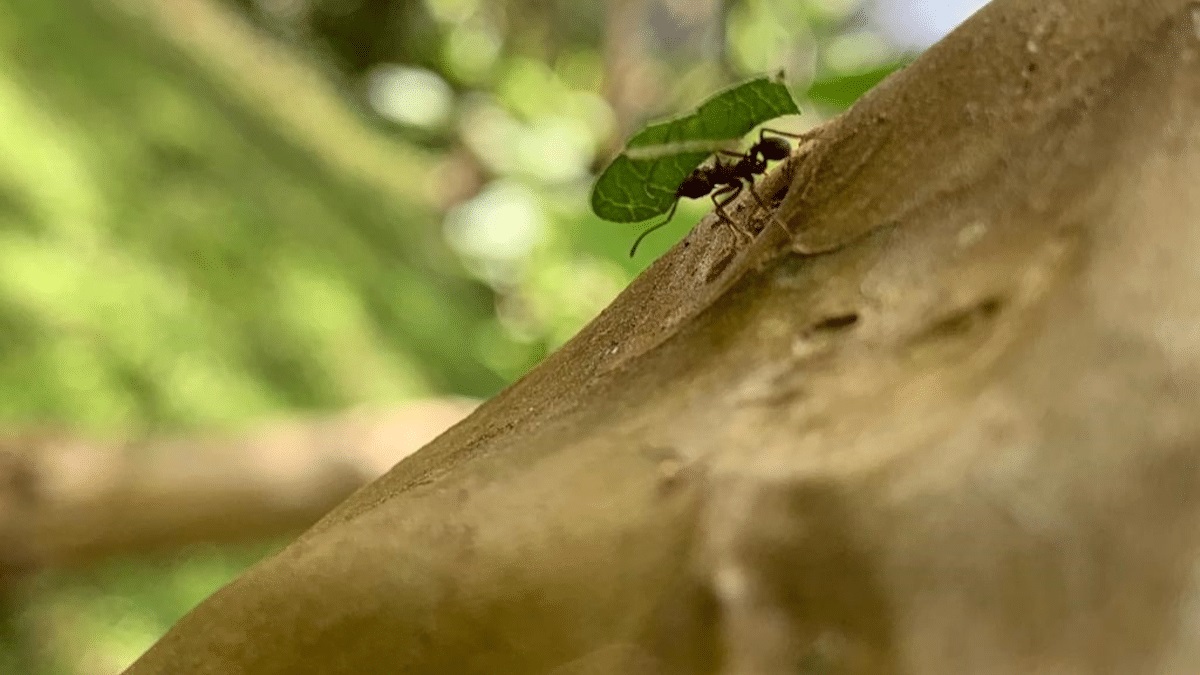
(68, 502)
(946, 425)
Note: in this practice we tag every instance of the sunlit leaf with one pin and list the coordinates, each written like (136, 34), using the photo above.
(641, 182)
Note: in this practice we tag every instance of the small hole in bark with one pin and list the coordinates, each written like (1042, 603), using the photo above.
(717, 268)
(963, 320)
(838, 322)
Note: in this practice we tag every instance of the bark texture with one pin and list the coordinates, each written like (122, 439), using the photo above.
(947, 425)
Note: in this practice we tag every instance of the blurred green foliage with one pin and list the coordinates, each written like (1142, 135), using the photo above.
(168, 258)
(173, 256)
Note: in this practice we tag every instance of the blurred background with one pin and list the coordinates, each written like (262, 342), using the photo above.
(252, 252)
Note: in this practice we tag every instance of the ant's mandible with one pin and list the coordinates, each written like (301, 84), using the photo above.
(725, 181)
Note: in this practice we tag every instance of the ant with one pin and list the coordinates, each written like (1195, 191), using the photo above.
(727, 180)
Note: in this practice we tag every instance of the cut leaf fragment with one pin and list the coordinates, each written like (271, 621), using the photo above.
(641, 182)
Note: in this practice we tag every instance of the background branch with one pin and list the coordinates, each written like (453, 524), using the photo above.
(67, 501)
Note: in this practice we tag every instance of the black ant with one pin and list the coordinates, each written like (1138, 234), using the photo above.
(728, 179)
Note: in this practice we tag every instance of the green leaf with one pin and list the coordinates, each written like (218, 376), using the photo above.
(641, 182)
(839, 92)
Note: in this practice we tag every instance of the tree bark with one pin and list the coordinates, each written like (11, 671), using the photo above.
(947, 424)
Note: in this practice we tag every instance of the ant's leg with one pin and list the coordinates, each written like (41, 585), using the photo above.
(730, 193)
(637, 242)
(762, 204)
(758, 198)
(770, 214)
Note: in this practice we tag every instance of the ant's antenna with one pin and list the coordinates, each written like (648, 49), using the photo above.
(638, 241)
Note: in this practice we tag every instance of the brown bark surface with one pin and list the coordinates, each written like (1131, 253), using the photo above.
(948, 426)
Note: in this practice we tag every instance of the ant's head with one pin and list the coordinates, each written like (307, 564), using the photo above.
(773, 148)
